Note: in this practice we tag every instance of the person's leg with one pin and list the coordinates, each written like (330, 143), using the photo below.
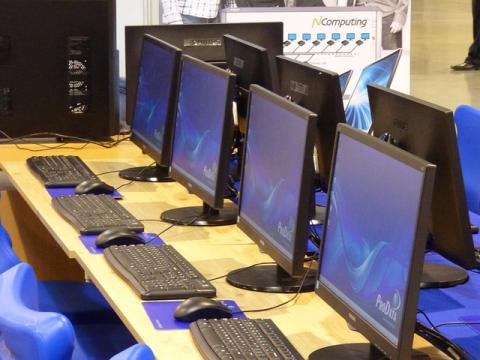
(390, 41)
(474, 50)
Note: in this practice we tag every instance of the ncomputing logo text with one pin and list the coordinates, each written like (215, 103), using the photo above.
(339, 23)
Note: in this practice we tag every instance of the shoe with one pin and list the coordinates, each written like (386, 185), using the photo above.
(465, 66)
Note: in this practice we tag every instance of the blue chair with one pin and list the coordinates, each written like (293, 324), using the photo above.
(73, 299)
(26, 333)
(467, 120)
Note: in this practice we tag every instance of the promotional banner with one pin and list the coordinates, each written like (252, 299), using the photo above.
(340, 38)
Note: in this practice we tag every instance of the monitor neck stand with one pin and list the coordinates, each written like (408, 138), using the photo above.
(442, 276)
(364, 351)
(201, 216)
(270, 278)
(157, 173)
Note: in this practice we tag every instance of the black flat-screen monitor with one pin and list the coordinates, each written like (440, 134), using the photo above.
(379, 201)
(250, 62)
(428, 131)
(381, 72)
(202, 142)
(58, 71)
(154, 112)
(203, 41)
(275, 191)
(319, 91)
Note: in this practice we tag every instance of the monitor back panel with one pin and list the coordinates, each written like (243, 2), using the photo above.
(57, 67)
(203, 41)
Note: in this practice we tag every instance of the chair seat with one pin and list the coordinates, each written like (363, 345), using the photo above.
(79, 302)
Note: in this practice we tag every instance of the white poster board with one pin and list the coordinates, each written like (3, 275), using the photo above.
(334, 38)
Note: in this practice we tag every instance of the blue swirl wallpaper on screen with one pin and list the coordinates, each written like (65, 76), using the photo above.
(153, 94)
(370, 233)
(199, 125)
(357, 113)
(272, 173)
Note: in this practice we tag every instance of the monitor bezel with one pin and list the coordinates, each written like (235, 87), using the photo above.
(161, 156)
(390, 80)
(329, 113)
(405, 339)
(460, 248)
(293, 266)
(216, 200)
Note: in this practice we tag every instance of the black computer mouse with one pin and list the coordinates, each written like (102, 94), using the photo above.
(118, 236)
(93, 186)
(196, 308)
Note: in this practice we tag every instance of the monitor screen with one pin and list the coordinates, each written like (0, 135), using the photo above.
(276, 180)
(344, 80)
(380, 72)
(428, 131)
(371, 215)
(154, 109)
(318, 90)
(203, 130)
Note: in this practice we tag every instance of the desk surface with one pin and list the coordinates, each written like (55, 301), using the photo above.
(309, 323)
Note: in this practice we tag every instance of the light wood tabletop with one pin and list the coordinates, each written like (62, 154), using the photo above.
(308, 323)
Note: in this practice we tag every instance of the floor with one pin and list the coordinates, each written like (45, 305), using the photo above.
(441, 35)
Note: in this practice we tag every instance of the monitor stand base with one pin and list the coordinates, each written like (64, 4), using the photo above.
(270, 278)
(442, 276)
(155, 173)
(363, 351)
(201, 216)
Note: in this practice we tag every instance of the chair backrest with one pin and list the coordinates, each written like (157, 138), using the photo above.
(467, 120)
(7, 255)
(26, 332)
(135, 352)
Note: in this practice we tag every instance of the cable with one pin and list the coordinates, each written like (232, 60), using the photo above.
(134, 177)
(104, 144)
(297, 294)
(456, 323)
(171, 226)
(441, 342)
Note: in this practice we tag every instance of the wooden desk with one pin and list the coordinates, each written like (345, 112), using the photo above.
(309, 323)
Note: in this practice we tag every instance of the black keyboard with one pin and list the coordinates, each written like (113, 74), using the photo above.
(158, 272)
(229, 339)
(60, 171)
(93, 214)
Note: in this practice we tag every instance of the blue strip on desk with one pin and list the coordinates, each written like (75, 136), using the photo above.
(457, 304)
(89, 241)
(69, 191)
(160, 314)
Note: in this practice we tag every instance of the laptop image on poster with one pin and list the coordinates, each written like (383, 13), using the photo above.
(380, 72)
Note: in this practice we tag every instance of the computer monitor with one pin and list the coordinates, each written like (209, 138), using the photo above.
(275, 191)
(202, 142)
(344, 80)
(58, 68)
(378, 203)
(153, 118)
(428, 131)
(381, 72)
(203, 41)
(319, 91)
(250, 62)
